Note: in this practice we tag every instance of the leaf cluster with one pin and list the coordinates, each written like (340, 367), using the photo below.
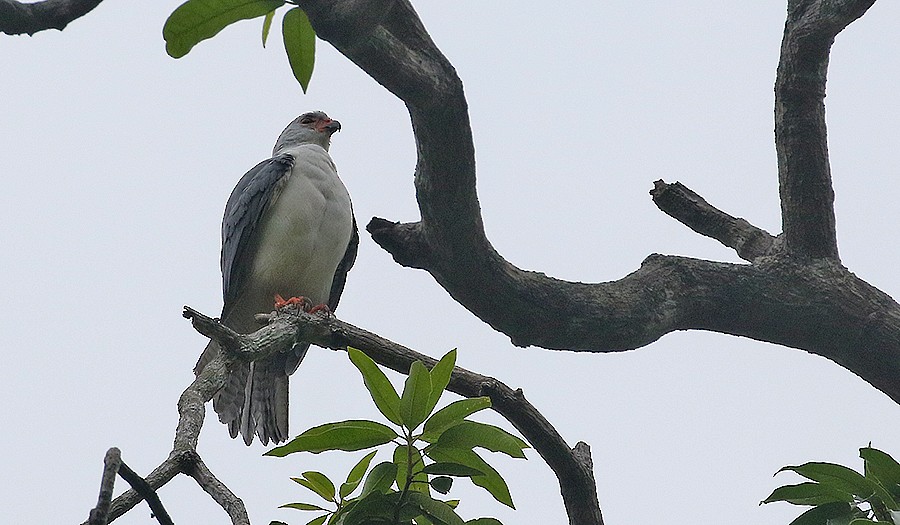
(198, 20)
(431, 449)
(842, 496)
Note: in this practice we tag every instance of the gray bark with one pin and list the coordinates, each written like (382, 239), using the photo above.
(17, 18)
(794, 292)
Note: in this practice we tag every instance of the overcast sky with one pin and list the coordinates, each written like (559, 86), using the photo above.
(118, 160)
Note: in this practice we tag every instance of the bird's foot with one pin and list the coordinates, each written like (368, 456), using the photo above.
(304, 303)
(321, 309)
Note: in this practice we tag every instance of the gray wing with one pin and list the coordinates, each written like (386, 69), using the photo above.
(340, 275)
(252, 196)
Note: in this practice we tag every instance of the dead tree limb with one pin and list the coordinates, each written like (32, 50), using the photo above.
(99, 515)
(692, 210)
(796, 293)
(804, 173)
(18, 18)
(147, 492)
(183, 459)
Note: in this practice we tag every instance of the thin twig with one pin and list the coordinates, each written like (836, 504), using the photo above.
(146, 491)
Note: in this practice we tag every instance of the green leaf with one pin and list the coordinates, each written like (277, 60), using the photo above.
(408, 510)
(863, 521)
(470, 434)
(380, 479)
(441, 484)
(821, 514)
(196, 20)
(438, 510)
(267, 25)
(321, 484)
(484, 521)
(808, 493)
(374, 508)
(844, 479)
(344, 435)
(310, 485)
(882, 468)
(381, 390)
(440, 377)
(301, 506)
(451, 469)
(415, 398)
(356, 474)
(300, 45)
(451, 415)
(318, 521)
(490, 480)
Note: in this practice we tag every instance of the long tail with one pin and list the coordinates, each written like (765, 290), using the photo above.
(254, 400)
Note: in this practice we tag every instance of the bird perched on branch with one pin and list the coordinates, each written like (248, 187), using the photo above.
(288, 231)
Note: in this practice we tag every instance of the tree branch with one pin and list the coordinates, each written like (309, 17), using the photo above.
(800, 297)
(17, 18)
(183, 459)
(99, 515)
(573, 467)
(804, 173)
(682, 204)
(140, 485)
(220, 493)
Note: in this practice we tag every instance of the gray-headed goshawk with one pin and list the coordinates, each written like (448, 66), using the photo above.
(288, 231)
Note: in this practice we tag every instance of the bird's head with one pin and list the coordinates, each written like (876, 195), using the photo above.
(309, 128)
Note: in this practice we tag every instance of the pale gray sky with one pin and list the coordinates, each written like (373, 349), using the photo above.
(118, 161)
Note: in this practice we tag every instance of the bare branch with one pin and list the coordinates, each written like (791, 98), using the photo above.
(219, 492)
(800, 298)
(140, 485)
(130, 498)
(184, 458)
(693, 211)
(99, 515)
(17, 18)
(573, 468)
(804, 173)
(238, 346)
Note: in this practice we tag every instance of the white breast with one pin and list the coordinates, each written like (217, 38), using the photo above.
(305, 231)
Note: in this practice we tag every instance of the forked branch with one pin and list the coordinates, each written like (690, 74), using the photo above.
(799, 296)
(184, 458)
(572, 466)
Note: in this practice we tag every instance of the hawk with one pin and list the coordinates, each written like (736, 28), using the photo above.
(289, 231)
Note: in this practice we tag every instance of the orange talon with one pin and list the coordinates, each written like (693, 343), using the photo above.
(281, 302)
(320, 308)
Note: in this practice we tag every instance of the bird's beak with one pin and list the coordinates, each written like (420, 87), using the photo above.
(329, 125)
